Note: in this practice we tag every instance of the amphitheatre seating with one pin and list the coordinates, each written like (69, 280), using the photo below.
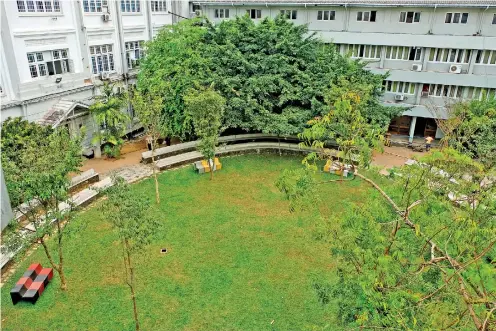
(163, 152)
(83, 179)
(32, 284)
(257, 147)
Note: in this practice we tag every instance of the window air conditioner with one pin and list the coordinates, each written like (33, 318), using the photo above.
(198, 13)
(399, 97)
(106, 17)
(104, 75)
(455, 68)
(417, 67)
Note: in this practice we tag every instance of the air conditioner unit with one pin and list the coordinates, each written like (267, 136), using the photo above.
(399, 97)
(455, 68)
(417, 67)
(104, 75)
(425, 94)
(198, 13)
(106, 17)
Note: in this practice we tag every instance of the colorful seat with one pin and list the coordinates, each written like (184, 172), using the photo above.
(32, 284)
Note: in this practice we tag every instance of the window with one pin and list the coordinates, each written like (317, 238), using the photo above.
(94, 6)
(47, 6)
(409, 17)
(494, 19)
(366, 16)
(159, 6)
(134, 52)
(326, 15)
(485, 57)
(221, 13)
(364, 51)
(447, 91)
(449, 55)
(102, 58)
(290, 14)
(130, 6)
(254, 13)
(480, 93)
(456, 18)
(399, 87)
(403, 53)
(49, 63)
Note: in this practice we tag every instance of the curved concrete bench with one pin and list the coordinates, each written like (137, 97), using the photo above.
(163, 152)
(257, 147)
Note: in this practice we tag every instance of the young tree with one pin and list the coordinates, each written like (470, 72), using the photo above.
(37, 177)
(149, 109)
(345, 125)
(110, 117)
(129, 216)
(206, 108)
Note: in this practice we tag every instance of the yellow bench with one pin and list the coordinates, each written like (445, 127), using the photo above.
(206, 166)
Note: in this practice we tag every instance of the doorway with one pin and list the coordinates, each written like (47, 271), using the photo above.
(420, 127)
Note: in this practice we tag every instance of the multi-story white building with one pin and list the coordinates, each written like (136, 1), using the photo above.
(434, 50)
(55, 53)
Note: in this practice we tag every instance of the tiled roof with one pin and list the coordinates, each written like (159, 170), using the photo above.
(60, 110)
(444, 3)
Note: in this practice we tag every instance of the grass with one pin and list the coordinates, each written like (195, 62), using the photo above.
(237, 260)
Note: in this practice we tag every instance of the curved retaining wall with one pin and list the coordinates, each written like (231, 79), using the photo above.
(163, 152)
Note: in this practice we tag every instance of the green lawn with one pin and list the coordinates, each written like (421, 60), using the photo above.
(238, 260)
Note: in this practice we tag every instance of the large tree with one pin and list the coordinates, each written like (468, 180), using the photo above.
(273, 74)
(36, 169)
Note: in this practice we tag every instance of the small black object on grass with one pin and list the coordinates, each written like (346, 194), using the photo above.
(163, 250)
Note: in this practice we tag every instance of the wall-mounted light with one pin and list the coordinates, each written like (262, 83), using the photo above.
(58, 80)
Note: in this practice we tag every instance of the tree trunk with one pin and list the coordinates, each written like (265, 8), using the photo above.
(157, 194)
(63, 283)
(212, 165)
(279, 142)
(131, 286)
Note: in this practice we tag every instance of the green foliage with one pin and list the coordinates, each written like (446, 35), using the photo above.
(426, 268)
(38, 176)
(273, 74)
(129, 215)
(110, 117)
(206, 108)
(17, 134)
(345, 124)
(475, 130)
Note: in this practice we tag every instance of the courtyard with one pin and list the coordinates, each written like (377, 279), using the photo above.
(235, 256)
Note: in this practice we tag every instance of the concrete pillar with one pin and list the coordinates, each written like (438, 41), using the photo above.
(412, 128)
(418, 91)
(425, 57)
(383, 56)
(471, 61)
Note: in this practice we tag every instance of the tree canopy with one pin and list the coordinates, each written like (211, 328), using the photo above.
(273, 74)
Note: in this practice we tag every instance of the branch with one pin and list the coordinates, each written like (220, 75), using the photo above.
(486, 321)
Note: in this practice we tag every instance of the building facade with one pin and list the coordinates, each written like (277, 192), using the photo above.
(55, 53)
(435, 51)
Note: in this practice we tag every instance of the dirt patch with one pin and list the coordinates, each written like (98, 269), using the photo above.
(394, 156)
